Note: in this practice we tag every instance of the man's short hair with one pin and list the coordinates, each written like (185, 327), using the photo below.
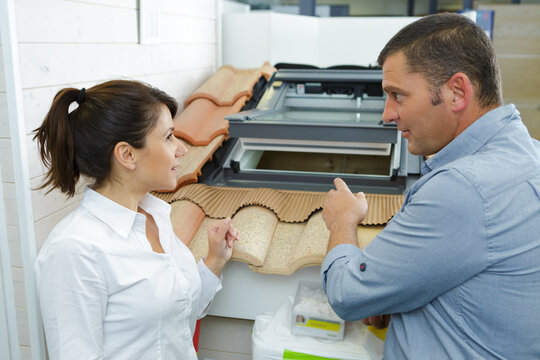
(438, 46)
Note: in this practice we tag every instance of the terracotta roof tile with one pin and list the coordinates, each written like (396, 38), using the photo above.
(188, 218)
(228, 84)
(202, 120)
(192, 162)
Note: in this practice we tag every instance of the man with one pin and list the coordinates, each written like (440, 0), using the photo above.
(458, 267)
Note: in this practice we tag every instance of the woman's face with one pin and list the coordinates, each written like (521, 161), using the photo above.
(158, 160)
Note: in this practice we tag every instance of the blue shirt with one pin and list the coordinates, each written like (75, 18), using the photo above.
(459, 266)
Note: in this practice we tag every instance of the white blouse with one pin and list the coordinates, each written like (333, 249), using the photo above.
(105, 294)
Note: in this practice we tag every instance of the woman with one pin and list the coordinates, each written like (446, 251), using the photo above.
(114, 281)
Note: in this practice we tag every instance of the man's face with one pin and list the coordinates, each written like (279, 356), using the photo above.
(410, 104)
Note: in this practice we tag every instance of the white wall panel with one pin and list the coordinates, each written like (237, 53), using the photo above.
(22, 324)
(294, 39)
(2, 78)
(246, 39)
(129, 4)
(4, 123)
(69, 22)
(18, 287)
(356, 41)
(179, 84)
(43, 204)
(6, 160)
(195, 8)
(46, 204)
(251, 38)
(186, 29)
(26, 353)
(20, 305)
(52, 64)
(14, 246)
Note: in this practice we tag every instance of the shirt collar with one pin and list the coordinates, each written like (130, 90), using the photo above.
(473, 137)
(118, 217)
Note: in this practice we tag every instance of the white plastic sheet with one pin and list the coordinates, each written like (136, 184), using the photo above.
(272, 340)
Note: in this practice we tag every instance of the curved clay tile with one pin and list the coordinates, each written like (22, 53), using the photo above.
(288, 254)
(289, 205)
(192, 162)
(186, 218)
(202, 121)
(228, 84)
(256, 225)
(270, 246)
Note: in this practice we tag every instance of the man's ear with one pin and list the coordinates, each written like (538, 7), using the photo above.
(124, 155)
(461, 88)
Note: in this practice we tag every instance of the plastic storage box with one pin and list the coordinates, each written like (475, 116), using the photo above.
(272, 339)
(312, 314)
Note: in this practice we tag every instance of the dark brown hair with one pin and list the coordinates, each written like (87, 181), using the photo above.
(81, 142)
(438, 46)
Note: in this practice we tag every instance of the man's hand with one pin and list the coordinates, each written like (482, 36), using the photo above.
(343, 207)
(342, 212)
(378, 322)
(221, 237)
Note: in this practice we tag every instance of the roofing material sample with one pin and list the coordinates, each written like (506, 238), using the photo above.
(202, 120)
(228, 84)
(187, 217)
(192, 162)
(256, 225)
(288, 205)
(307, 249)
(310, 248)
(275, 247)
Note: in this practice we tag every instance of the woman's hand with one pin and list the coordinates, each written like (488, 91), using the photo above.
(221, 237)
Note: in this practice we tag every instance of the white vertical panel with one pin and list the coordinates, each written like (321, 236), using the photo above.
(356, 41)
(9, 343)
(2, 80)
(185, 29)
(246, 39)
(4, 127)
(24, 202)
(194, 8)
(294, 39)
(128, 4)
(252, 38)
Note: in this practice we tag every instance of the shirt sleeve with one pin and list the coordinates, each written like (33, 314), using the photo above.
(73, 298)
(210, 285)
(437, 241)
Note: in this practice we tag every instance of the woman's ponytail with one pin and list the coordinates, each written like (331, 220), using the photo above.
(56, 145)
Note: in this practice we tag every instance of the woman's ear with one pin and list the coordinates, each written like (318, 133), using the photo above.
(124, 155)
(461, 88)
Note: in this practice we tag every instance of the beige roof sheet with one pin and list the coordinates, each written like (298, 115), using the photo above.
(270, 246)
(288, 205)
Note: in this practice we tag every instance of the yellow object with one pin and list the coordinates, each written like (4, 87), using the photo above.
(380, 333)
